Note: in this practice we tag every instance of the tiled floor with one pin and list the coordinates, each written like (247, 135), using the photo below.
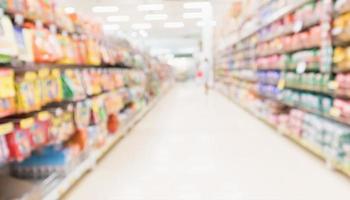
(193, 147)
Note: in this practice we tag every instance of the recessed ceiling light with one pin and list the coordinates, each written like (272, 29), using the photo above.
(69, 10)
(143, 33)
(105, 9)
(150, 7)
(142, 26)
(154, 17)
(193, 15)
(201, 23)
(111, 27)
(134, 34)
(174, 25)
(120, 18)
(196, 5)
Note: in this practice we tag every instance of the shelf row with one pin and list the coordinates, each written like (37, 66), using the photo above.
(311, 132)
(284, 10)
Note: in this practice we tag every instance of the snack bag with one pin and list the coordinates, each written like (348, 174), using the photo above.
(19, 140)
(68, 51)
(8, 44)
(72, 85)
(67, 123)
(41, 46)
(28, 92)
(40, 130)
(93, 52)
(82, 114)
(7, 92)
(4, 151)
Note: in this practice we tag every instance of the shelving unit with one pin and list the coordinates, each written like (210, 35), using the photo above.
(310, 83)
(65, 89)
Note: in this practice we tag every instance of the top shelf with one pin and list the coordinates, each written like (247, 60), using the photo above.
(274, 17)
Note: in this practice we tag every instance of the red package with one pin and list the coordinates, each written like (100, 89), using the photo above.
(19, 141)
(40, 130)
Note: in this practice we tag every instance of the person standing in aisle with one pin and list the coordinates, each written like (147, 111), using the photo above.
(206, 76)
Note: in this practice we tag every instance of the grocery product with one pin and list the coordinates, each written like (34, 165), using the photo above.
(8, 45)
(7, 92)
(5, 128)
(28, 92)
(19, 140)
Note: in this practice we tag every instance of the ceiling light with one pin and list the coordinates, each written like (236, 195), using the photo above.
(142, 26)
(150, 7)
(104, 9)
(69, 10)
(134, 34)
(143, 33)
(196, 5)
(153, 17)
(174, 25)
(111, 27)
(192, 15)
(120, 18)
(201, 23)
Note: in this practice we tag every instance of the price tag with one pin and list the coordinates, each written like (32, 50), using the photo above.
(298, 26)
(19, 19)
(58, 111)
(337, 31)
(301, 67)
(335, 112)
(43, 72)
(26, 123)
(30, 76)
(6, 128)
(53, 29)
(64, 33)
(70, 108)
(333, 85)
(281, 84)
(43, 116)
(39, 24)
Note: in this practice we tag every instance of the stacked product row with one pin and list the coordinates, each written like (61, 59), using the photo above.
(65, 89)
(36, 31)
(299, 66)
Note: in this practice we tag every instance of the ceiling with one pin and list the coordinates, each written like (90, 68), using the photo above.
(174, 40)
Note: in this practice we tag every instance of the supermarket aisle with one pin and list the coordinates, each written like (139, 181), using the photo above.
(195, 147)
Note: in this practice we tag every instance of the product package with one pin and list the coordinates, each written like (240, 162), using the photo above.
(28, 92)
(7, 92)
(19, 140)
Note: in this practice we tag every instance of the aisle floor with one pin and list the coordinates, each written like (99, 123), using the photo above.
(194, 147)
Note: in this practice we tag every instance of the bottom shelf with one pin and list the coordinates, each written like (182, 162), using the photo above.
(344, 169)
(56, 185)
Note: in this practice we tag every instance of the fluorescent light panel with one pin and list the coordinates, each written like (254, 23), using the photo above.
(174, 25)
(154, 17)
(69, 10)
(120, 18)
(111, 27)
(201, 23)
(105, 9)
(196, 5)
(150, 7)
(142, 26)
(193, 15)
(143, 33)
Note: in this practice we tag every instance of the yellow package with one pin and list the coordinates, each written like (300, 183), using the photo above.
(28, 92)
(94, 57)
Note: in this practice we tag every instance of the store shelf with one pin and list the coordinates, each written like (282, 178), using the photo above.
(274, 17)
(345, 170)
(88, 164)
